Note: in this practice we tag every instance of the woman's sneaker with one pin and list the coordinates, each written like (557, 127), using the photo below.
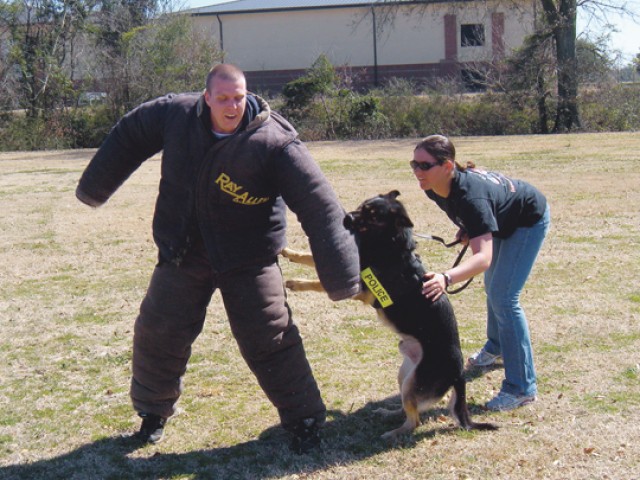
(505, 401)
(482, 358)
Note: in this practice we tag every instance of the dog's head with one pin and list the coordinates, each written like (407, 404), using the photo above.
(382, 216)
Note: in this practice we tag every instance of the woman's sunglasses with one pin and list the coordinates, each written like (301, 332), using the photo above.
(424, 166)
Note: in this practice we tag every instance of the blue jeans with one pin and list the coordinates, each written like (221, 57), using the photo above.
(507, 328)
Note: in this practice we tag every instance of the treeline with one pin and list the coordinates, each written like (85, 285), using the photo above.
(390, 112)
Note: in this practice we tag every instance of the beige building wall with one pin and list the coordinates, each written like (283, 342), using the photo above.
(291, 41)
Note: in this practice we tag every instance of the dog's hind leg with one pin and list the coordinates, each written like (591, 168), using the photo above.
(410, 424)
(460, 411)
(406, 369)
(411, 355)
(411, 410)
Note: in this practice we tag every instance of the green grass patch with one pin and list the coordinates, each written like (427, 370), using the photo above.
(630, 376)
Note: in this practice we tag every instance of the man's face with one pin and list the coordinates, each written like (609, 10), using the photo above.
(227, 100)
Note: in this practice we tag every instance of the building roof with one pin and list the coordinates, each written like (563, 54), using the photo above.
(246, 6)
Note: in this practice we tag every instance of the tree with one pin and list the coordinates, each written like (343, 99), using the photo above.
(114, 20)
(561, 21)
(595, 65)
(8, 80)
(167, 55)
(527, 75)
(144, 50)
(41, 35)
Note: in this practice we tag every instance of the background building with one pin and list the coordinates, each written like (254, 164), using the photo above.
(275, 41)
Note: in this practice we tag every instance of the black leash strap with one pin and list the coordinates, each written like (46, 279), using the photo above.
(455, 264)
(437, 239)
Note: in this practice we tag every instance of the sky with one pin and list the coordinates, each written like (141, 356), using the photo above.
(626, 40)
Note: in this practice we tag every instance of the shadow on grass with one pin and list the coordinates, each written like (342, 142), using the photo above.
(472, 373)
(346, 438)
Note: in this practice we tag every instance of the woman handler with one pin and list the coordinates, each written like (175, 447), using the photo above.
(505, 222)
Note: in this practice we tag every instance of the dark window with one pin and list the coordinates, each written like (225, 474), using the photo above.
(472, 35)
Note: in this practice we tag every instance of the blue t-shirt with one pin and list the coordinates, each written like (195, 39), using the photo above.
(483, 202)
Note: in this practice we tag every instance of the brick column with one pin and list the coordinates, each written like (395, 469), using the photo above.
(497, 34)
(450, 38)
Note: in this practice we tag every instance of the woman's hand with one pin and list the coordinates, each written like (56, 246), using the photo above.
(434, 286)
(462, 236)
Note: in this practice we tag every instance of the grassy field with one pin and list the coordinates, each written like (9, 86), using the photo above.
(72, 279)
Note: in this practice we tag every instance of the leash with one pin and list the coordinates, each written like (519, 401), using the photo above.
(457, 261)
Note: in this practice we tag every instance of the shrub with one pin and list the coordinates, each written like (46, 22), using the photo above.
(611, 109)
(361, 117)
(65, 128)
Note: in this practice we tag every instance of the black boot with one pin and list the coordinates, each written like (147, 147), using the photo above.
(306, 435)
(152, 427)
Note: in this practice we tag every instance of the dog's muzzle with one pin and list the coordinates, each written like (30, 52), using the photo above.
(349, 221)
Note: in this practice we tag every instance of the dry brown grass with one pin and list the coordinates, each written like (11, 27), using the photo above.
(72, 279)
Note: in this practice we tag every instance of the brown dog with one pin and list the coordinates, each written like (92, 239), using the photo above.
(392, 276)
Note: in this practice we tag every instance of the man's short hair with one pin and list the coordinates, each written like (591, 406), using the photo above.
(224, 71)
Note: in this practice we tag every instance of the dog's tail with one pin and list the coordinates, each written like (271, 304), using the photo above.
(460, 410)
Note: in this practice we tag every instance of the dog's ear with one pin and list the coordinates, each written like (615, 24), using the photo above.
(403, 220)
(393, 194)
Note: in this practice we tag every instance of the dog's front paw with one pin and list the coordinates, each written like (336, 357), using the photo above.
(303, 285)
(295, 256)
(292, 284)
